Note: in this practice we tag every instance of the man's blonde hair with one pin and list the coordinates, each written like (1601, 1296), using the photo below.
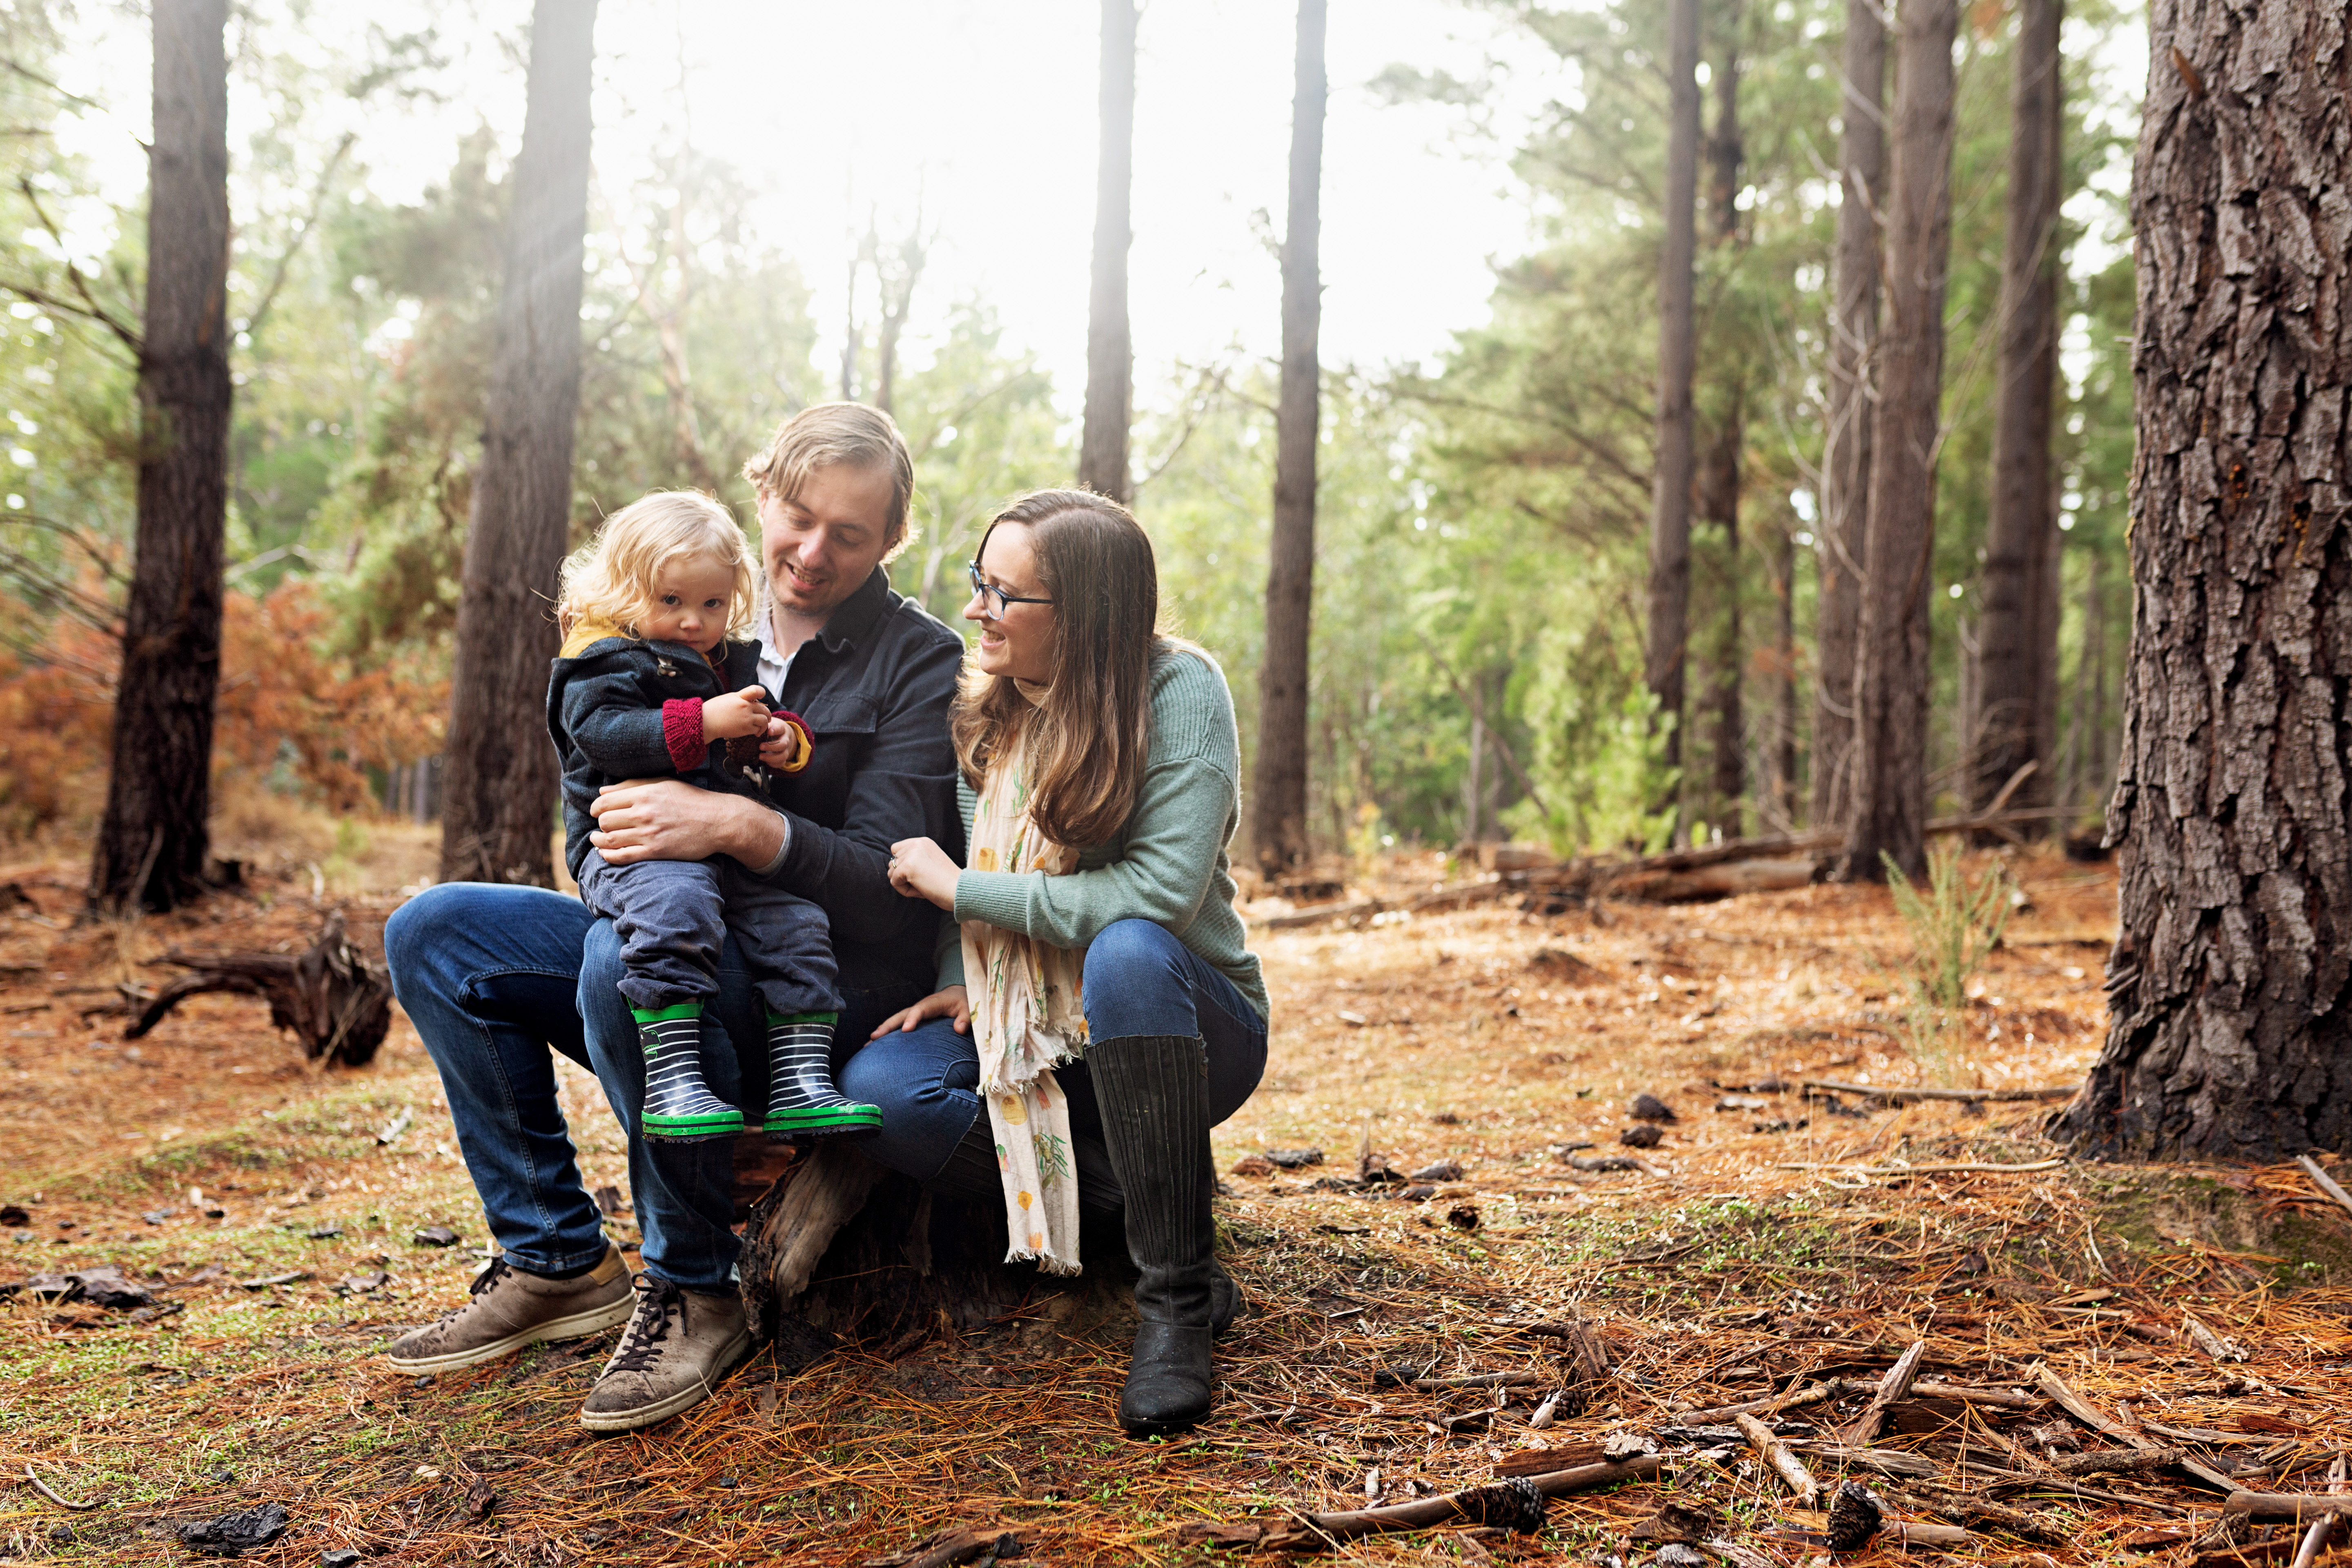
(837, 434)
(610, 579)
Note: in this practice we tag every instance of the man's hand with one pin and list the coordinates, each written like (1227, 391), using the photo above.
(666, 819)
(953, 1003)
(921, 869)
(738, 713)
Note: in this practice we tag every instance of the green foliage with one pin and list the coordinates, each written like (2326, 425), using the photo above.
(1954, 925)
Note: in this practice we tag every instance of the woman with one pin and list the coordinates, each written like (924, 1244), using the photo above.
(1097, 1011)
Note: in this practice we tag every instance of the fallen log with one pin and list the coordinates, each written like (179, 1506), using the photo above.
(1649, 878)
(1965, 1096)
(333, 999)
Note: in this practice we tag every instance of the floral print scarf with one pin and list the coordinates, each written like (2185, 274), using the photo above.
(1028, 1019)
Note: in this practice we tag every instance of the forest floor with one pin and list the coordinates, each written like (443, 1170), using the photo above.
(1767, 1241)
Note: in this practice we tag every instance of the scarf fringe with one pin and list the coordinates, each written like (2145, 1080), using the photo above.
(1045, 1261)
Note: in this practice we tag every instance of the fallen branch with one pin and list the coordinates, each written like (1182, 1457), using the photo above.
(1965, 1096)
(2116, 1461)
(2326, 1182)
(1935, 1170)
(1894, 1385)
(2091, 1416)
(1777, 1455)
(2003, 1398)
(1881, 1461)
(335, 1001)
(1911, 1532)
(42, 1486)
(1809, 1394)
(1503, 1503)
(2286, 1506)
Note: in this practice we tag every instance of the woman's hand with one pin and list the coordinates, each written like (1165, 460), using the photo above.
(954, 1002)
(921, 869)
(736, 714)
(667, 819)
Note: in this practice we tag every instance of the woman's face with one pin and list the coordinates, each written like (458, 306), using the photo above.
(1016, 640)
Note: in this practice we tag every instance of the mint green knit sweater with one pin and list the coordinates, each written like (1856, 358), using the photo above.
(1168, 864)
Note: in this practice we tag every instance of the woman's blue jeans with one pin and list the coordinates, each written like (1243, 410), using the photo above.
(499, 979)
(1140, 980)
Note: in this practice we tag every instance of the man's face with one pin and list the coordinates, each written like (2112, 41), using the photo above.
(821, 544)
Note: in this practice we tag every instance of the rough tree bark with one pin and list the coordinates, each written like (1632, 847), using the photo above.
(2230, 1036)
(498, 812)
(1845, 448)
(1719, 471)
(1278, 827)
(1888, 814)
(153, 840)
(1670, 497)
(1110, 354)
(1784, 677)
(2018, 637)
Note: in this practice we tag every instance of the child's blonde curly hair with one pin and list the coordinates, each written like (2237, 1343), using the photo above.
(610, 579)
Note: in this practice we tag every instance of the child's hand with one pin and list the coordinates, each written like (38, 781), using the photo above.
(744, 712)
(787, 745)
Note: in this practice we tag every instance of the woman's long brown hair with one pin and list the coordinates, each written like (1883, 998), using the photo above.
(1089, 738)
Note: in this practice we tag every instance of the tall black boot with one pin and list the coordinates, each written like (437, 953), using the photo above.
(1154, 1093)
(1099, 1193)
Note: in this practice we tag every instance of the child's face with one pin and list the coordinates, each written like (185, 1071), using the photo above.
(691, 594)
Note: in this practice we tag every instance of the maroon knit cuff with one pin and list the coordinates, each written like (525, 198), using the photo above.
(682, 733)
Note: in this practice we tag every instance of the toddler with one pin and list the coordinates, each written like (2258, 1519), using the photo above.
(649, 684)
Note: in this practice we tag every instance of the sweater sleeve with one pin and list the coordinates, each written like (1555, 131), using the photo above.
(1185, 812)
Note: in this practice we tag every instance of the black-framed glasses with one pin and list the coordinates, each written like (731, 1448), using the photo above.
(989, 592)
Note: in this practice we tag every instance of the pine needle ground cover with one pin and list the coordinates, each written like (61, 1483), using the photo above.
(1404, 1332)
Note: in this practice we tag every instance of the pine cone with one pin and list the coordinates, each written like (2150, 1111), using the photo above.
(1854, 1518)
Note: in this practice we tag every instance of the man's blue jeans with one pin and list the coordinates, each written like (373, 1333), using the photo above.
(495, 978)
(1140, 980)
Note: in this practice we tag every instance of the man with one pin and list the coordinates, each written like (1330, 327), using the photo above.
(495, 977)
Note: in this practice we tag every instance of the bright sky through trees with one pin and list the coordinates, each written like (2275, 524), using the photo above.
(986, 113)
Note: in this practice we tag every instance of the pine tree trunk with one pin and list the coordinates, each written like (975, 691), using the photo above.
(1846, 449)
(1719, 497)
(2229, 1037)
(1110, 354)
(1784, 677)
(1670, 500)
(1719, 474)
(153, 840)
(497, 816)
(1889, 810)
(2010, 725)
(1278, 829)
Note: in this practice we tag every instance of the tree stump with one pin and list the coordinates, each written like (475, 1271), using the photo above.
(841, 1248)
(335, 1001)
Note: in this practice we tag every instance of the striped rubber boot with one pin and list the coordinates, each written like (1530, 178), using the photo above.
(679, 1107)
(802, 1098)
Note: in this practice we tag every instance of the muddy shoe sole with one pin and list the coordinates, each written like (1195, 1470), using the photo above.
(576, 1326)
(735, 1352)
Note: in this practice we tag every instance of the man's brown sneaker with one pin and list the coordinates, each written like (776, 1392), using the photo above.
(677, 1347)
(509, 1309)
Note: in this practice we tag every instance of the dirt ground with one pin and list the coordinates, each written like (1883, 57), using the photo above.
(1768, 1242)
